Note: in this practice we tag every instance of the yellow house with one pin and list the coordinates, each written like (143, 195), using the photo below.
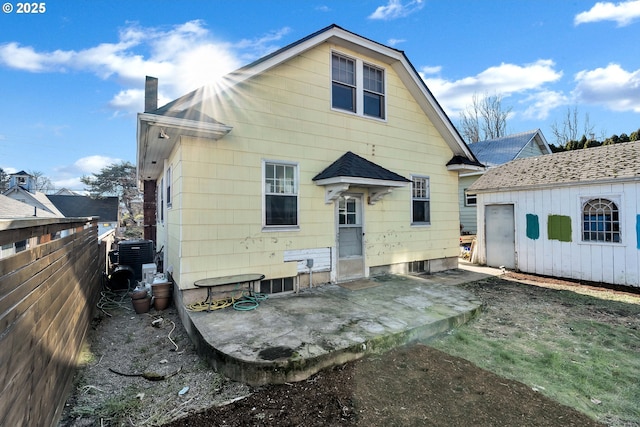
(325, 161)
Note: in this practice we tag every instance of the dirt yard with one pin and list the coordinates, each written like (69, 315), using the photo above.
(410, 386)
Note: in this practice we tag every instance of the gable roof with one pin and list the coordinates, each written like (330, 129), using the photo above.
(10, 208)
(35, 199)
(82, 206)
(493, 152)
(396, 59)
(608, 163)
(351, 165)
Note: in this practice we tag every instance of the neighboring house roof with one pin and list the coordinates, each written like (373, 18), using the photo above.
(36, 199)
(10, 208)
(155, 141)
(493, 152)
(353, 166)
(66, 192)
(82, 206)
(607, 163)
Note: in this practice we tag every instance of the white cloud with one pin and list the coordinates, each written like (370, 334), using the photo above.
(396, 9)
(624, 13)
(430, 70)
(540, 104)
(183, 57)
(612, 87)
(69, 176)
(503, 79)
(393, 42)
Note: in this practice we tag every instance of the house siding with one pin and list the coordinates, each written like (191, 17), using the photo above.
(614, 263)
(215, 223)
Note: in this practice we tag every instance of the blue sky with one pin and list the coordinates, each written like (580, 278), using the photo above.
(72, 77)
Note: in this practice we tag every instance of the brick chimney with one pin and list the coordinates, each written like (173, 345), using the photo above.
(150, 94)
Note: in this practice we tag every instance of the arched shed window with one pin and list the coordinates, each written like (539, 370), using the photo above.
(600, 221)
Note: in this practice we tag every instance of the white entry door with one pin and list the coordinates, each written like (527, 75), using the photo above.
(350, 237)
(500, 236)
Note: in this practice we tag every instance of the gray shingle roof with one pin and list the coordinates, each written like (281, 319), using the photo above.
(82, 206)
(10, 209)
(492, 152)
(606, 163)
(352, 165)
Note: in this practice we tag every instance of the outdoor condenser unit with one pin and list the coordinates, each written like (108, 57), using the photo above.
(135, 253)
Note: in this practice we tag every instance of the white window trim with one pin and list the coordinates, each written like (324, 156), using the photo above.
(466, 199)
(615, 198)
(413, 223)
(270, 228)
(360, 87)
(167, 183)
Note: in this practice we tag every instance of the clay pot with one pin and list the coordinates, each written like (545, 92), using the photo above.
(141, 305)
(161, 290)
(160, 303)
(139, 294)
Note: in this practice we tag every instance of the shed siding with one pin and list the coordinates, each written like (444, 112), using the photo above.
(598, 262)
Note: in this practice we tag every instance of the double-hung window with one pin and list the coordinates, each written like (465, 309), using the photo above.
(343, 74)
(373, 79)
(420, 203)
(357, 87)
(280, 195)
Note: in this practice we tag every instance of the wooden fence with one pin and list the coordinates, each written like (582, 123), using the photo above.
(49, 287)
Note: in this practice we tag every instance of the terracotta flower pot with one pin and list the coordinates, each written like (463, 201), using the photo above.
(160, 303)
(141, 305)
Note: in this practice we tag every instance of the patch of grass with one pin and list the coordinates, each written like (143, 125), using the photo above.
(117, 408)
(580, 362)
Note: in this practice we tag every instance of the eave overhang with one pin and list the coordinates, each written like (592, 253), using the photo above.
(158, 134)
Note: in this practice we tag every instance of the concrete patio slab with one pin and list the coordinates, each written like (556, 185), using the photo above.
(290, 337)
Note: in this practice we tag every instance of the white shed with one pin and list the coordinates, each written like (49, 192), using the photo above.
(574, 214)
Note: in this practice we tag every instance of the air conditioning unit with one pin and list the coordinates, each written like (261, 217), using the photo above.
(135, 253)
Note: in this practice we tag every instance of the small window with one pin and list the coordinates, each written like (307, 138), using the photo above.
(343, 75)
(280, 195)
(276, 286)
(373, 91)
(168, 182)
(600, 221)
(421, 212)
(161, 201)
(470, 199)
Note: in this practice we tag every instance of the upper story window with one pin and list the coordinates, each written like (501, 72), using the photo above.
(420, 203)
(373, 80)
(600, 221)
(357, 87)
(280, 195)
(343, 75)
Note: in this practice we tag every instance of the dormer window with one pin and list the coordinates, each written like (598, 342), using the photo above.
(357, 87)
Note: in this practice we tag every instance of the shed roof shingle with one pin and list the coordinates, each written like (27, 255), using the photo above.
(605, 163)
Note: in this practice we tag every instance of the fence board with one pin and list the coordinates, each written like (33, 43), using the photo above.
(47, 296)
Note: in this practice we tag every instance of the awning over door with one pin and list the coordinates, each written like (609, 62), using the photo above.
(351, 169)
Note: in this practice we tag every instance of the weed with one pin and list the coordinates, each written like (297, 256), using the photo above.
(117, 408)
